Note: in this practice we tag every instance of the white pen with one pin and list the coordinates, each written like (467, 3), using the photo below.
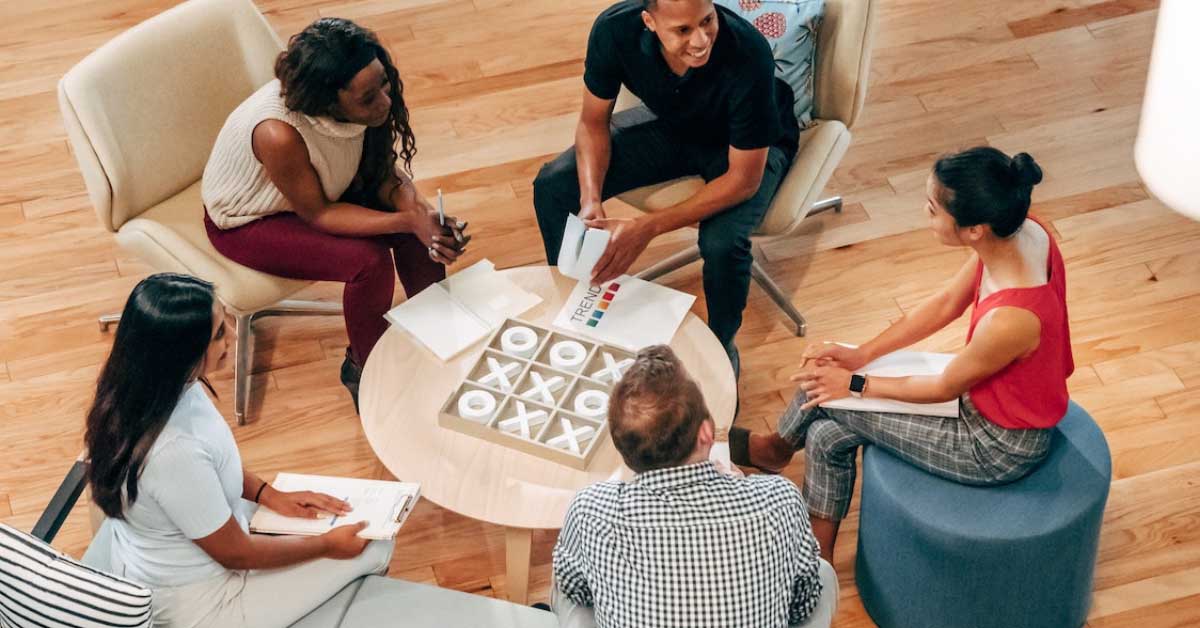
(441, 209)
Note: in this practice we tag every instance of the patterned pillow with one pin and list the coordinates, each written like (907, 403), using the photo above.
(41, 588)
(790, 26)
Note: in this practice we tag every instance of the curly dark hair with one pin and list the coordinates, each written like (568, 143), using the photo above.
(322, 59)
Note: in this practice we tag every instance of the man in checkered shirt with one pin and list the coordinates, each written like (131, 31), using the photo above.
(682, 544)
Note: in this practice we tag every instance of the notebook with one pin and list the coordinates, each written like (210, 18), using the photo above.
(627, 312)
(384, 505)
(462, 309)
(581, 249)
(901, 364)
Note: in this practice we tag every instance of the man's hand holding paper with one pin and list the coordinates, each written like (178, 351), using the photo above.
(630, 237)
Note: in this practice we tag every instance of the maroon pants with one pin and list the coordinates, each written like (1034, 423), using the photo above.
(286, 246)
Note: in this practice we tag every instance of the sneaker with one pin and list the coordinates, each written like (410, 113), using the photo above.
(351, 375)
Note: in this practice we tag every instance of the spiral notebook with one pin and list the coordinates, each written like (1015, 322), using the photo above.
(383, 505)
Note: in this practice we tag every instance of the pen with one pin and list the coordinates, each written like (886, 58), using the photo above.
(441, 209)
(335, 517)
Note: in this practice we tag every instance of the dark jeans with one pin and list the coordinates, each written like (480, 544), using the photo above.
(645, 151)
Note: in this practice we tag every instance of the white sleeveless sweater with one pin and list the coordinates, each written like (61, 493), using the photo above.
(236, 189)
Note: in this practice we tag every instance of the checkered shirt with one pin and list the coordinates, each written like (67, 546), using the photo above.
(690, 546)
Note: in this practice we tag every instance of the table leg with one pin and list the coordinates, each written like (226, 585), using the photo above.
(517, 543)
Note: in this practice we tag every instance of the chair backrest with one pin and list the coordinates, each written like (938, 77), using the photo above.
(844, 59)
(142, 111)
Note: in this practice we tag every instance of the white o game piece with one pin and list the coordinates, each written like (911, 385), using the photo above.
(476, 404)
(519, 341)
(567, 354)
(591, 403)
(544, 388)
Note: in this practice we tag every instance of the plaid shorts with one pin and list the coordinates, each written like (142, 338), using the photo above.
(969, 449)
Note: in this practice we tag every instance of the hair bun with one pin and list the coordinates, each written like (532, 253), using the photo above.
(1025, 170)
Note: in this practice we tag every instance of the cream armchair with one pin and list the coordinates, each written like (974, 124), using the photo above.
(142, 113)
(843, 60)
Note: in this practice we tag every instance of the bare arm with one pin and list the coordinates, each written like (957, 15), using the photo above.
(284, 155)
(1004, 335)
(593, 148)
(232, 548)
(930, 316)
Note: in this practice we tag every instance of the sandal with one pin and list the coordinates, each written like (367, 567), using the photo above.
(739, 451)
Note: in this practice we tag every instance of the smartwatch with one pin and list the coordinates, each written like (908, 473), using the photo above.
(858, 383)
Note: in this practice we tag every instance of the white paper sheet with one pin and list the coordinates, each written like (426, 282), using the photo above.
(459, 311)
(581, 249)
(638, 314)
(384, 505)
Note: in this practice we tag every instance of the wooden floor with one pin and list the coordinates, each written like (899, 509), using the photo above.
(494, 87)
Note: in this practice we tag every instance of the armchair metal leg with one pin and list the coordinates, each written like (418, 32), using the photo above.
(291, 307)
(674, 262)
(108, 320)
(834, 203)
(243, 350)
(772, 289)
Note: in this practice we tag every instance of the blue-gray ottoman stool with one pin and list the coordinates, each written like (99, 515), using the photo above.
(937, 554)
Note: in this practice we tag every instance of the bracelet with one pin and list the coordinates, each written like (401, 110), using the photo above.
(259, 493)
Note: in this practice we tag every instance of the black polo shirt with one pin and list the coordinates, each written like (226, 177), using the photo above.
(735, 99)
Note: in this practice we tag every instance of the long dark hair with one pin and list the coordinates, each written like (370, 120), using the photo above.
(983, 186)
(322, 59)
(165, 330)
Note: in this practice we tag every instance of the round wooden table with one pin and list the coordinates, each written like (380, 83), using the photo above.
(404, 385)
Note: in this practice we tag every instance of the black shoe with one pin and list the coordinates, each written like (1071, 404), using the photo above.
(351, 375)
(542, 606)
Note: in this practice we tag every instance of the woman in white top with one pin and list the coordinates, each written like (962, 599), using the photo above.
(166, 471)
(305, 182)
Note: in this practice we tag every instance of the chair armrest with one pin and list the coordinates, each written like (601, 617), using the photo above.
(821, 150)
(64, 499)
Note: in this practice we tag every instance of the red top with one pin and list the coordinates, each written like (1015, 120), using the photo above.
(1030, 392)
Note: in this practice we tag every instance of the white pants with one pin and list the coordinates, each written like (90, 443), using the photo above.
(268, 598)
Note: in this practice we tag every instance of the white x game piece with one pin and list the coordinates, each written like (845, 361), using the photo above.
(571, 437)
(524, 420)
(612, 370)
(544, 388)
(501, 375)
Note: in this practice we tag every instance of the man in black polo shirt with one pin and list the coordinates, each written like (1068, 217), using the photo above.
(712, 107)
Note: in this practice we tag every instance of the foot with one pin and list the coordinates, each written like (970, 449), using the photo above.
(768, 453)
(351, 375)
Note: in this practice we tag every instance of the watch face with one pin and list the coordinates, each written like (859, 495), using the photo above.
(857, 383)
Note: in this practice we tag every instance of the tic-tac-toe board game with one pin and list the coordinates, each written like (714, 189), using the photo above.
(539, 391)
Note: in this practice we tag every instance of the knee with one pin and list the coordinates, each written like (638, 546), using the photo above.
(372, 261)
(822, 439)
(726, 249)
(377, 556)
(552, 180)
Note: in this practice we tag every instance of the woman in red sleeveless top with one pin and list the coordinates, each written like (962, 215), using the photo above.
(1010, 380)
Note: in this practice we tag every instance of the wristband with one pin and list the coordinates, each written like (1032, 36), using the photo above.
(259, 493)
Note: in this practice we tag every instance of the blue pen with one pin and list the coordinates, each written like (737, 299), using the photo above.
(335, 517)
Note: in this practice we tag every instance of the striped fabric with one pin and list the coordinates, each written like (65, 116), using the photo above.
(42, 588)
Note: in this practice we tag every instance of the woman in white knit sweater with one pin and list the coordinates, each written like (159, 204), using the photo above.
(305, 182)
